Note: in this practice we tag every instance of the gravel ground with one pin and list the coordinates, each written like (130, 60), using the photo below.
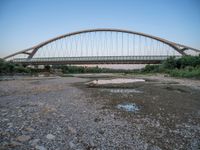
(64, 113)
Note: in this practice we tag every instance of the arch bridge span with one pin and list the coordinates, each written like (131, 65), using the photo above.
(101, 46)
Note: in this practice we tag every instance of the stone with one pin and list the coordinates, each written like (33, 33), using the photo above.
(23, 138)
(29, 129)
(92, 143)
(101, 131)
(5, 119)
(10, 125)
(97, 119)
(34, 142)
(40, 147)
(71, 145)
(4, 114)
(50, 136)
(3, 110)
(72, 130)
(14, 144)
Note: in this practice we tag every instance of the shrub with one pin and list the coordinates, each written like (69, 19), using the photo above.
(189, 61)
(187, 73)
(170, 63)
(47, 68)
(151, 68)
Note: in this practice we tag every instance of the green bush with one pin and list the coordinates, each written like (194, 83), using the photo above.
(84, 69)
(186, 72)
(186, 66)
(170, 63)
(47, 68)
(189, 61)
(10, 68)
(151, 68)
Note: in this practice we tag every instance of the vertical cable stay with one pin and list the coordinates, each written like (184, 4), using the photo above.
(116, 46)
(122, 45)
(160, 49)
(97, 48)
(111, 46)
(146, 47)
(67, 47)
(70, 47)
(133, 44)
(86, 44)
(72, 44)
(60, 49)
(92, 49)
(76, 44)
(63, 47)
(152, 47)
(81, 42)
(106, 49)
(55, 49)
(156, 47)
(140, 52)
(173, 52)
(127, 45)
(89, 42)
(163, 46)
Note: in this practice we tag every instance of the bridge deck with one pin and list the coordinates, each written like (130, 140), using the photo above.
(93, 60)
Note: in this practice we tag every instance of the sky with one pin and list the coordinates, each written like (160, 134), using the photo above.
(25, 23)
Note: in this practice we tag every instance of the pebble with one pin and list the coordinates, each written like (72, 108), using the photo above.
(72, 130)
(4, 114)
(71, 144)
(29, 129)
(40, 147)
(23, 138)
(50, 136)
(34, 142)
(5, 119)
(10, 125)
(92, 143)
(14, 144)
(3, 110)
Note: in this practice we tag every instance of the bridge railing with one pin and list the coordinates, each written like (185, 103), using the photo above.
(93, 58)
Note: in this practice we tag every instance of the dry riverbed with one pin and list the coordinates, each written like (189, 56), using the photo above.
(60, 113)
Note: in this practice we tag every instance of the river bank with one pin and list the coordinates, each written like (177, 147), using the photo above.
(66, 113)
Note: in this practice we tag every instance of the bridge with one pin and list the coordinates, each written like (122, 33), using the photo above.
(102, 46)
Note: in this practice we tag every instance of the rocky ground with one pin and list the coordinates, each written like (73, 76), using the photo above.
(63, 113)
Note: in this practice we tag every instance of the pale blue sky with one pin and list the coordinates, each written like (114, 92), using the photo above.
(24, 23)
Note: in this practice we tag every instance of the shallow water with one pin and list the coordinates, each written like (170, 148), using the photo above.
(117, 81)
(130, 107)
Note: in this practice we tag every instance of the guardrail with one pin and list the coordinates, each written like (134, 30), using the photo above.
(93, 58)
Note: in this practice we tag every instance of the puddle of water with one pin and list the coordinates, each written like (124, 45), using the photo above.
(130, 107)
(117, 81)
(122, 90)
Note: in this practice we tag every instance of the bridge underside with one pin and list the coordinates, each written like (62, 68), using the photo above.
(93, 60)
